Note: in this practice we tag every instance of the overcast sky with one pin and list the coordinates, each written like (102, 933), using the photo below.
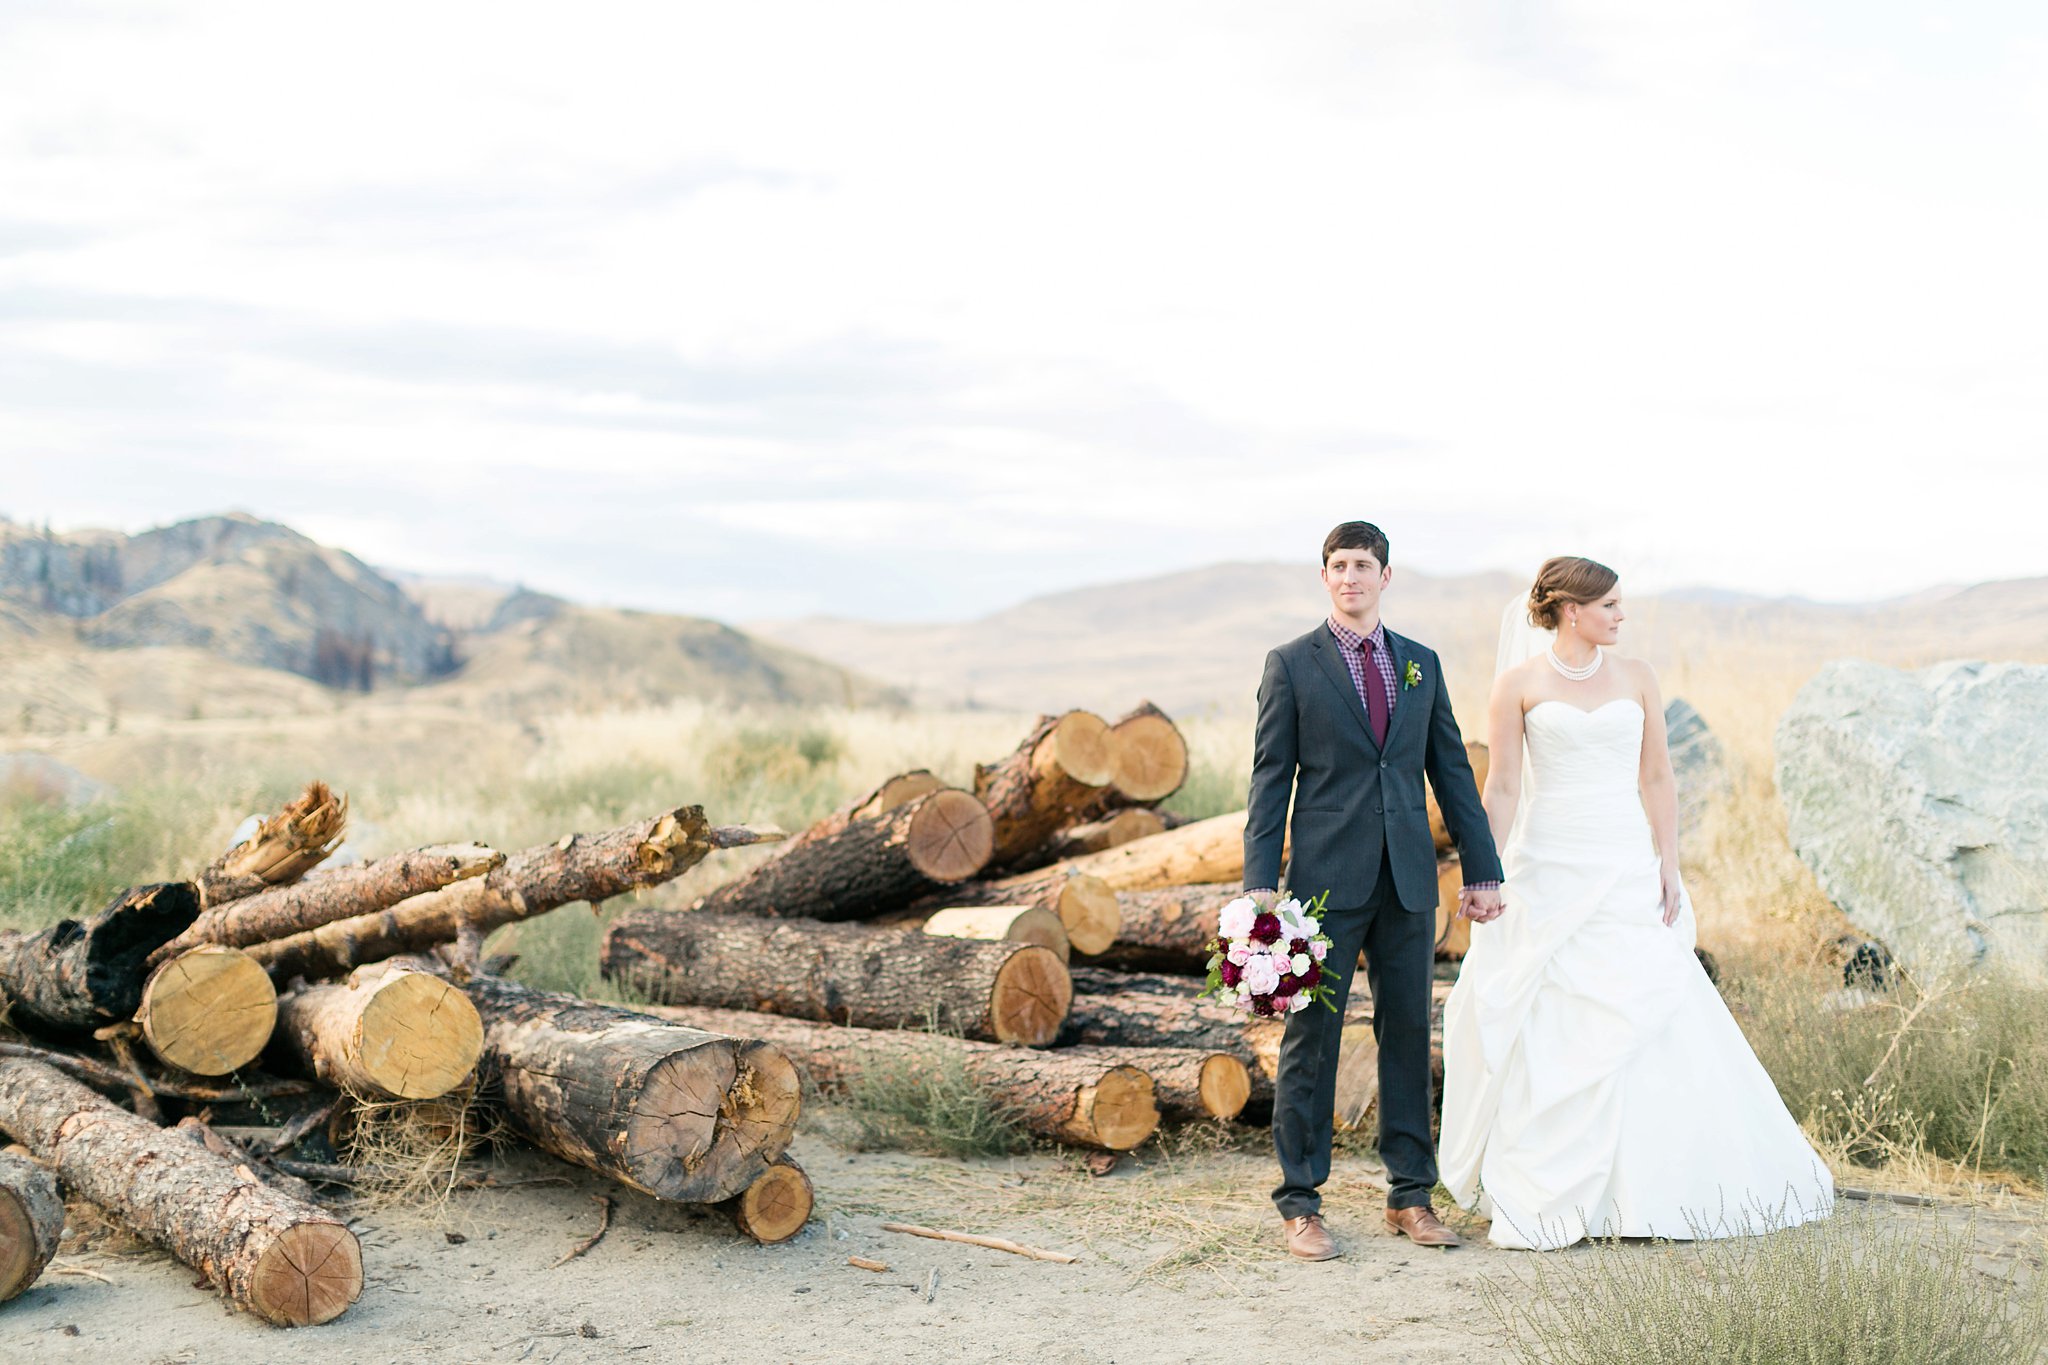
(911, 311)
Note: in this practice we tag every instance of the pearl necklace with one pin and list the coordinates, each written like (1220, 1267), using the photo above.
(1576, 674)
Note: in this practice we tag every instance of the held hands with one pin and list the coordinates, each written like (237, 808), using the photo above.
(1481, 905)
(1671, 895)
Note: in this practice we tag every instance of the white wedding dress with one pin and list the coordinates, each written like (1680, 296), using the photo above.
(1594, 1082)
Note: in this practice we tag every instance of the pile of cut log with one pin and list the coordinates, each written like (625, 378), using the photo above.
(1047, 930)
(307, 998)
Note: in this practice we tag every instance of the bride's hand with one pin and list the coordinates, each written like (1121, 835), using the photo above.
(1672, 892)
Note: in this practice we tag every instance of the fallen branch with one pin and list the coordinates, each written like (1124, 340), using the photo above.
(976, 1240)
(863, 1263)
(86, 1069)
(604, 1221)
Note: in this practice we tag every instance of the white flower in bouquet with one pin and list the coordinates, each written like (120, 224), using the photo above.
(1261, 974)
(1296, 1003)
(1309, 927)
(1237, 917)
(1300, 963)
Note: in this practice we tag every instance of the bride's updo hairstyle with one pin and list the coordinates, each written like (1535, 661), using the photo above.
(1567, 580)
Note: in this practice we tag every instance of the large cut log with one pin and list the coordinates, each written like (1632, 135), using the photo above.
(1151, 756)
(1002, 923)
(31, 1221)
(1209, 850)
(581, 867)
(1475, 754)
(284, 848)
(1168, 929)
(1041, 787)
(282, 1259)
(1189, 1084)
(391, 1031)
(81, 974)
(866, 859)
(1089, 1097)
(281, 911)
(1132, 822)
(209, 1010)
(1131, 1019)
(679, 1113)
(776, 1206)
(1085, 906)
(858, 974)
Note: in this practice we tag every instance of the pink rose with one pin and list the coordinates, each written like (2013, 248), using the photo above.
(1261, 974)
(1236, 919)
(1240, 953)
(1318, 949)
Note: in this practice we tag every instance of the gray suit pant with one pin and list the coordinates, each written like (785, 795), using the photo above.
(1399, 949)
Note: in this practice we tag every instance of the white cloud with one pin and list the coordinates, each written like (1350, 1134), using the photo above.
(1724, 293)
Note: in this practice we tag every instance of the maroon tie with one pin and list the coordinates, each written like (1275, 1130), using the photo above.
(1375, 696)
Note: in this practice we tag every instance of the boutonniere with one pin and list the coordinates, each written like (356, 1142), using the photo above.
(1412, 676)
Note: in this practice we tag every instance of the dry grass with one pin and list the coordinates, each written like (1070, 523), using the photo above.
(410, 1152)
(1860, 1288)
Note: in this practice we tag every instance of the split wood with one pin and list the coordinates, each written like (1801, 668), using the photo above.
(604, 1220)
(976, 1240)
(863, 1263)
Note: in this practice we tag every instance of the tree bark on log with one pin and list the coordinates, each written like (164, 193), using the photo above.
(776, 1206)
(80, 974)
(209, 1010)
(391, 1031)
(864, 860)
(858, 974)
(284, 1260)
(1002, 924)
(1133, 1019)
(581, 867)
(1085, 906)
(284, 848)
(1132, 822)
(1060, 767)
(1088, 1097)
(674, 1112)
(31, 1222)
(278, 912)
(1168, 929)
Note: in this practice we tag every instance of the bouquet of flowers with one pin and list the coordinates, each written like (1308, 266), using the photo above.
(1269, 962)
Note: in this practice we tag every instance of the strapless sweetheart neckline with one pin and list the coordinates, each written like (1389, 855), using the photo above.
(1553, 701)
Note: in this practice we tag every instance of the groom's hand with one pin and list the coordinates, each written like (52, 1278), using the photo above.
(1480, 904)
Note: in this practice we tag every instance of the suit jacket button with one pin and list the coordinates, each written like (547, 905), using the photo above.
(1383, 763)
(1376, 810)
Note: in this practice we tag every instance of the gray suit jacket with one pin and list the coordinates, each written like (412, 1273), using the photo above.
(1353, 799)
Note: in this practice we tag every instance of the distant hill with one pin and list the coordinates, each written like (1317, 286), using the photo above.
(1195, 640)
(241, 589)
(233, 616)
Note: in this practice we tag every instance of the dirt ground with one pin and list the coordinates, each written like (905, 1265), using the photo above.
(1178, 1252)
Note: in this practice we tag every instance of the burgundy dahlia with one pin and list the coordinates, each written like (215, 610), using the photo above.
(1230, 972)
(1299, 945)
(1266, 928)
(1288, 986)
(1313, 977)
(1262, 1006)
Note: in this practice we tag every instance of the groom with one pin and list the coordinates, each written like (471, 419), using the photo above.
(1351, 718)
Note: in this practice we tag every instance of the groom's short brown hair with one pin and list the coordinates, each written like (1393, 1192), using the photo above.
(1356, 535)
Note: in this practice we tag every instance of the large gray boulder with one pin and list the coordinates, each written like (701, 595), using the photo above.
(1920, 800)
(1696, 760)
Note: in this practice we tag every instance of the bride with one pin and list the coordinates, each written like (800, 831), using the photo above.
(1594, 1082)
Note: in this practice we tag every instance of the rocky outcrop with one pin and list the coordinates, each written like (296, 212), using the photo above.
(1920, 801)
(235, 586)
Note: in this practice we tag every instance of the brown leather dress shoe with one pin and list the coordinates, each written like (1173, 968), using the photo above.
(1420, 1226)
(1307, 1238)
